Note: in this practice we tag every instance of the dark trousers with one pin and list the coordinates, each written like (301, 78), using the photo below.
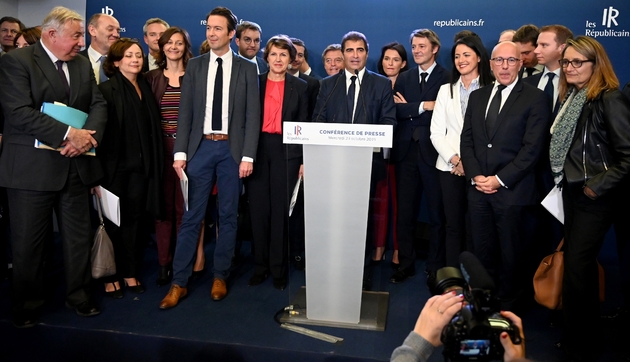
(586, 223)
(212, 160)
(31, 222)
(622, 232)
(270, 188)
(128, 239)
(497, 242)
(413, 176)
(455, 214)
(166, 230)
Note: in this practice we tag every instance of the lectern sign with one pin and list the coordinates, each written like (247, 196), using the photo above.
(338, 134)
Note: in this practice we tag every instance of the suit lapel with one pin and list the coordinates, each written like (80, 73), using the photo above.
(75, 81)
(201, 80)
(360, 113)
(288, 96)
(236, 67)
(434, 79)
(456, 103)
(514, 94)
(49, 70)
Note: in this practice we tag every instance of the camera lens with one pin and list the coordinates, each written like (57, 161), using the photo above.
(448, 279)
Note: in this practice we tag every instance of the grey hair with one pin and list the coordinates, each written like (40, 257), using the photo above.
(58, 17)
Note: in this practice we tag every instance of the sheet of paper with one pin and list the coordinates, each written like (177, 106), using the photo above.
(296, 191)
(184, 184)
(111, 205)
(553, 204)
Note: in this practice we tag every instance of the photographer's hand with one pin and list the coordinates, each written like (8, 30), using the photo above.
(436, 314)
(513, 351)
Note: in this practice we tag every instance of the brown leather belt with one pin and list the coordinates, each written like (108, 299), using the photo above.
(216, 137)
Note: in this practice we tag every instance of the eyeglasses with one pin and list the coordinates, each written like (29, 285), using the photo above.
(576, 63)
(248, 41)
(511, 61)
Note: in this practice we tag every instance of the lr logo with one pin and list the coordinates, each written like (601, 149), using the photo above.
(109, 11)
(610, 16)
(297, 130)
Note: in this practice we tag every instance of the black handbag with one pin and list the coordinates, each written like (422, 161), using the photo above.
(103, 261)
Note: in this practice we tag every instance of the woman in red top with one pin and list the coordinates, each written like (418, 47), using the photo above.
(283, 98)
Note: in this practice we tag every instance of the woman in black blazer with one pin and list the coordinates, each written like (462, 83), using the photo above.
(283, 98)
(131, 155)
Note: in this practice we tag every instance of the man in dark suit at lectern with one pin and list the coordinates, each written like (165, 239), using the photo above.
(358, 95)
(503, 136)
(39, 180)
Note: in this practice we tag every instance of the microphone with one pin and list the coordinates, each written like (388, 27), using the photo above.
(475, 274)
(356, 72)
(339, 76)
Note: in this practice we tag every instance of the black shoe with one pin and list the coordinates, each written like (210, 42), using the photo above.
(280, 283)
(165, 275)
(237, 260)
(432, 280)
(257, 279)
(117, 293)
(25, 318)
(401, 275)
(395, 266)
(138, 288)
(197, 274)
(298, 263)
(85, 309)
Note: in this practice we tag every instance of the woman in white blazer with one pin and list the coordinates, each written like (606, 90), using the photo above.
(471, 70)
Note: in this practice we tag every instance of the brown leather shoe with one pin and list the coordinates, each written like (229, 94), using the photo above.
(219, 289)
(174, 295)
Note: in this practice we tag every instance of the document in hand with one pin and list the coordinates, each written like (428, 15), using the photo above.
(67, 115)
(553, 203)
(296, 191)
(111, 205)
(184, 184)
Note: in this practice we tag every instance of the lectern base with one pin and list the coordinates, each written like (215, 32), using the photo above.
(373, 312)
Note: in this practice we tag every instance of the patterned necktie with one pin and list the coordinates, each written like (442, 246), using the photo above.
(351, 91)
(62, 75)
(217, 101)
(101, 72)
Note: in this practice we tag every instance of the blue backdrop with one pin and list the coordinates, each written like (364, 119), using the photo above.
(319, 23)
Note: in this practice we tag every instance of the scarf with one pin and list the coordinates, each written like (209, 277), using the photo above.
(563, 132)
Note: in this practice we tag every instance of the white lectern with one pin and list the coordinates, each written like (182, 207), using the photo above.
(337, 171)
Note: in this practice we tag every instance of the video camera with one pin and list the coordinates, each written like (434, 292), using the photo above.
(474, 332)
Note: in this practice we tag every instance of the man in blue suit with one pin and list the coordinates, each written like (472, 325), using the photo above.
(217, 137)
(371, 91)
(372, 103)
(415, 157)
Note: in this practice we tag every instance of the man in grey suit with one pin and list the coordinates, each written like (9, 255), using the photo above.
(217, 137)
(39, 180)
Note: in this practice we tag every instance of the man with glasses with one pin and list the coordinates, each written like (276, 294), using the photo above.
(248, 41)
(503, 136)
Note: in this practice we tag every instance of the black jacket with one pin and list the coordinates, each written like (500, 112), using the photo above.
(599, 156)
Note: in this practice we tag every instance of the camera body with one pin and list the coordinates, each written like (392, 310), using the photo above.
(474, 332)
